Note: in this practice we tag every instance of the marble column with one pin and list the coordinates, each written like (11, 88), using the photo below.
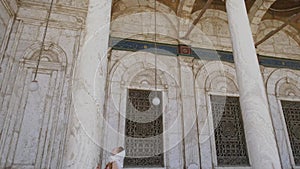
(83, 145)
(262, 148)
(189, 115)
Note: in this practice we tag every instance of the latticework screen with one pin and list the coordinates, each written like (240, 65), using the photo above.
(231, 148)
(144, 130)
(291, 111)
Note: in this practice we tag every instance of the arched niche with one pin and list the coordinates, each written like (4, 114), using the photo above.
(51, 53)
(282, 85)
(136, 70)
(39, 115)
(213, 78)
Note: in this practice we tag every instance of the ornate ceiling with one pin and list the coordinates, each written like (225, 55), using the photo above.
(217, 4)
(285, 7)
(283, 10)
(276, 9)
(173, 4)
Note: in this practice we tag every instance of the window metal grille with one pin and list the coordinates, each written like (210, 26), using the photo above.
(143, 130)
(291, 111)
(231, 148)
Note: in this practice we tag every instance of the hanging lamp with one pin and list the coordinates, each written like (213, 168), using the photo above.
(156, 99)
(33, 86)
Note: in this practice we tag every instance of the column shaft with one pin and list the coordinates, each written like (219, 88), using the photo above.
(88, 90)
(259, 131)
(190, 131)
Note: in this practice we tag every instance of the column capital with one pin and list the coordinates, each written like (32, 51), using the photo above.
(186, 61)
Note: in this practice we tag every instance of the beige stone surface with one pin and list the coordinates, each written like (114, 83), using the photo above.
(77, 115)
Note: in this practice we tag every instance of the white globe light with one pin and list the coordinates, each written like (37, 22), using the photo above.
(33, 86)
(156, 101)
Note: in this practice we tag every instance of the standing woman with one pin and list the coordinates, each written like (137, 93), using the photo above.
(116, 159)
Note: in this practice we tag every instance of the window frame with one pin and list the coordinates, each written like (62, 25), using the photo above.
(212, 133)
(124, 101)
(286, 134)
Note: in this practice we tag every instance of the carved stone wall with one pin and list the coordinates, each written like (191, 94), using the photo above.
(285, 43)
(33, 124)
(8, 11)
(198, 80)
(129, 70)
(135, 19)
(283, 86)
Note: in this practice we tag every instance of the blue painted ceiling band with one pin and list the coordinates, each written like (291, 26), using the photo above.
(198, 53)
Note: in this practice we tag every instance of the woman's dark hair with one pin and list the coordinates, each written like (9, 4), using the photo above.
(120, 149)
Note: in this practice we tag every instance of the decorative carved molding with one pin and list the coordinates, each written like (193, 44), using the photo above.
(284, 83)
(186, 61)
(217, 77)
(62, 16)
(52, 53)
(147, 78)
(8, 7)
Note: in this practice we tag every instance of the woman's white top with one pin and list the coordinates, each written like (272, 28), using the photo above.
(118, 158)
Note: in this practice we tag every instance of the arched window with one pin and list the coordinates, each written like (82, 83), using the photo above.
(283, 91)
(220, 113)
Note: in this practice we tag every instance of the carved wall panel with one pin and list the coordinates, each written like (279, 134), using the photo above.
(67, 3)
(283, 89)
(33, 132)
